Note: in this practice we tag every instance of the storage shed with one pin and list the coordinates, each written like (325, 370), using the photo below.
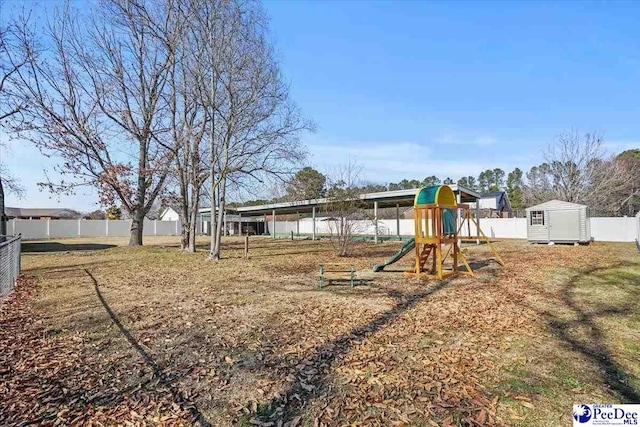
(558, 222)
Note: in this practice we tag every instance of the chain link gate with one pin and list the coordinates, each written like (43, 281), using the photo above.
(9, 262)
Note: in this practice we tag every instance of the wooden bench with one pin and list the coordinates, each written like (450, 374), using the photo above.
(336, 272)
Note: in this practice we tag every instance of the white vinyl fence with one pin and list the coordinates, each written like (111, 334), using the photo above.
(31, 229)
(619, 229)
(625, 229)
(638, 229)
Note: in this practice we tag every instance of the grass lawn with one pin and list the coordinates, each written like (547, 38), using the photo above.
(100, 333)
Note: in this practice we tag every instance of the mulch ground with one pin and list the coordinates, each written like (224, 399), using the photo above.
(151, 336)
(47, 379)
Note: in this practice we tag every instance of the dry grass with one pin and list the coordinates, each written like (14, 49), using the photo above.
(253, 341)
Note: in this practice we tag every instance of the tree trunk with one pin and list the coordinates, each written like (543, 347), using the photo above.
(186, 226)
(137, 219)
(220, 220)
(212, 225)
(3, 217)
(192, 236)
(193, 219)
(137, 224)
(185, 235)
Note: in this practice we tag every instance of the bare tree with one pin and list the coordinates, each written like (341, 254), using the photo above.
(205, 24)
(13, 58)
(577, 169)
(256, 126)
(630, 161)
(188, 121)
(348, 215)
(96, 102)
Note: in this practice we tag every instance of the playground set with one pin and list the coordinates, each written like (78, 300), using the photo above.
(439, 220)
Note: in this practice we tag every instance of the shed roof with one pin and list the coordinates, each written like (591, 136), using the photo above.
(555, 203)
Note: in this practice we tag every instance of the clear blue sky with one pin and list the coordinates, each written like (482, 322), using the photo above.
(412, 89)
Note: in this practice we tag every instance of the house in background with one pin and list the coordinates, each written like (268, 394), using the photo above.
(41, 213)
(494, 205)
(169, 214)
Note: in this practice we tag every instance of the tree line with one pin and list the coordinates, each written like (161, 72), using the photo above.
(576, 168)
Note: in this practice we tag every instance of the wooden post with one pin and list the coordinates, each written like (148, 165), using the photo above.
(456, 242)
(246, 247)
(292, 235)
(417, 230)
(439, 241)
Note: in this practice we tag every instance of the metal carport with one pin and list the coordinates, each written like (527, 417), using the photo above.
(384, 199)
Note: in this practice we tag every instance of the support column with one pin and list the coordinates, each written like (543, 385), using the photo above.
(297, 223)
(225, 230)
(459, 219)
(478, 220)
(398, 220)
(375, 221)
(313, 220)
(264, 228)
(239, 224)
(273, 222)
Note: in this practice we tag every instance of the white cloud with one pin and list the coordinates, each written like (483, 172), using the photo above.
(392, 162)
(450, 138)
(616, 147)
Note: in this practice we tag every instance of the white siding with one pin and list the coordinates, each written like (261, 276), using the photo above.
(536, 233)
(169, 215)
(489, 203)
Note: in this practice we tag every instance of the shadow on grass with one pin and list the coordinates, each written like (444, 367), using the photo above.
(158, 371)
(593, 345)
(308, 387)
(65, 271)
(45, 247)
(276, 254)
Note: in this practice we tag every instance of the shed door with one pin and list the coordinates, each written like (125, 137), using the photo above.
(564, 225)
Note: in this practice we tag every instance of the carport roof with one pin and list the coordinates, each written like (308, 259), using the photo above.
(384, 199)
